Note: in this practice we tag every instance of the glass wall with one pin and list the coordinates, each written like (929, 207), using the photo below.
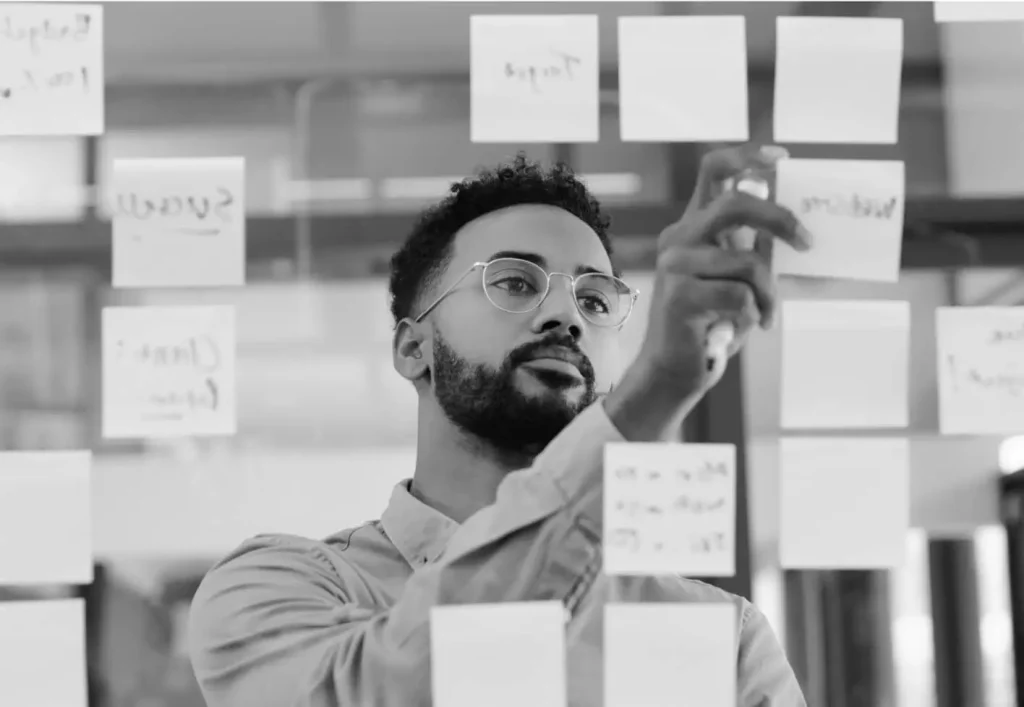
(320, 405)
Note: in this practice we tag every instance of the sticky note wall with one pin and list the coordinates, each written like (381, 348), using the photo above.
(169, 371)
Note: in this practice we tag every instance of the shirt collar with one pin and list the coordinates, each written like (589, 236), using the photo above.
(418, 531)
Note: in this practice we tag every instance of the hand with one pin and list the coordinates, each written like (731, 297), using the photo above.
(699, 283)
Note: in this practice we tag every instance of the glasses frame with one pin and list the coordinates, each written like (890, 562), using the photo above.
(634, 294)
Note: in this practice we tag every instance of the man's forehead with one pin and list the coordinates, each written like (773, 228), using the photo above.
(547, 235)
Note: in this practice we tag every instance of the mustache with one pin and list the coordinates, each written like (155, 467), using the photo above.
(527, 351)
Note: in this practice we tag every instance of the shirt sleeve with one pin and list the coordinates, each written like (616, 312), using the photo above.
(765, 676)
(272, 624)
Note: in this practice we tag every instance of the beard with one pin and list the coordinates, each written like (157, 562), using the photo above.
(487, 403)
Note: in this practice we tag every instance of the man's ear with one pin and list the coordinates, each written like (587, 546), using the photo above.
(410, 350)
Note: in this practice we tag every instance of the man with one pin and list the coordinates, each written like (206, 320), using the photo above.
(507, 310)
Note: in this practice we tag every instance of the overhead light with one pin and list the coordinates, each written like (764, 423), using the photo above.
(416, 187)
(1011, 454)
(612, 183)
(329, 190)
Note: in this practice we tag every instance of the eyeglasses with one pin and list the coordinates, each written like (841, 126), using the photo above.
(519, 286)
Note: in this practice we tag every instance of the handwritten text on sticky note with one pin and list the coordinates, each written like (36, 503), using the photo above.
(533, 78)
(837, 79)
(168, 371)
(670, 509)
(981, 369)
(854, 211)
(179, 222)
(51, 69)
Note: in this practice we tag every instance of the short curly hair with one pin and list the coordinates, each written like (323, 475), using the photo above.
(426, 253)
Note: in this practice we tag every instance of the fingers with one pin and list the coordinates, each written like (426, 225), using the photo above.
(743, 281)
(736, 209)
(719, 165)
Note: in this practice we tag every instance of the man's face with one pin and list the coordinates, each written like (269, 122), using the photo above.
(485, 373)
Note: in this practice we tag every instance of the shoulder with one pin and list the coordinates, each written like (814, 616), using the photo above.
(268, 612)
(280, 557)
(268, 570)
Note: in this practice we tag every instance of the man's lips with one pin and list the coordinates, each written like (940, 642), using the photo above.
(554, 364)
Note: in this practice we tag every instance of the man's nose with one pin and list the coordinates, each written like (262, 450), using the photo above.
(559, 310)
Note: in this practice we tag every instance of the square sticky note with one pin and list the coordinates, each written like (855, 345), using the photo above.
(179, 222)
(845, 363)
(534, 78)
(669, 654)
(978, 11)
(168, 371)
(854, 211)
(670, 508)
(42, 651)
(501, 655)
(837, 79)
(51, 69)
(981, 370)
(683, 79)
(845, 502)
(45, 518)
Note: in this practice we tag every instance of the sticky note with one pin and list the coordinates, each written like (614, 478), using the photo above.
(669, 654)
(845, 363)
(45, 518)
(854, 211)
(42, 651)
(670, 508)
(168, 371)
(683, 79)
(837, 79)
(51, 69)
(179, 222)
(981, 369)
(978, 11)
(845, 502)
(533, 78)
(501, 655)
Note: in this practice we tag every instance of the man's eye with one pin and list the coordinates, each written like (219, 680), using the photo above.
(515, 285)
(595, 303)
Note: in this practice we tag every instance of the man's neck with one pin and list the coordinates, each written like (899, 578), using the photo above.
(457, 474)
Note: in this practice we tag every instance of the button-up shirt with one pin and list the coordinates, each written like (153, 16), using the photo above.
(285, 621)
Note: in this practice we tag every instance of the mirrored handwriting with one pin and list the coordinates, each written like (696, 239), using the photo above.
(557, 69)
(850, 205)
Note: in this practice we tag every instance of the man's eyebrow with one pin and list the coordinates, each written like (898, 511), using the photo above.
(541, 261)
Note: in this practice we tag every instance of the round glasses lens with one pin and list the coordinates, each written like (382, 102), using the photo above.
(514, 285)
(603, 299)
